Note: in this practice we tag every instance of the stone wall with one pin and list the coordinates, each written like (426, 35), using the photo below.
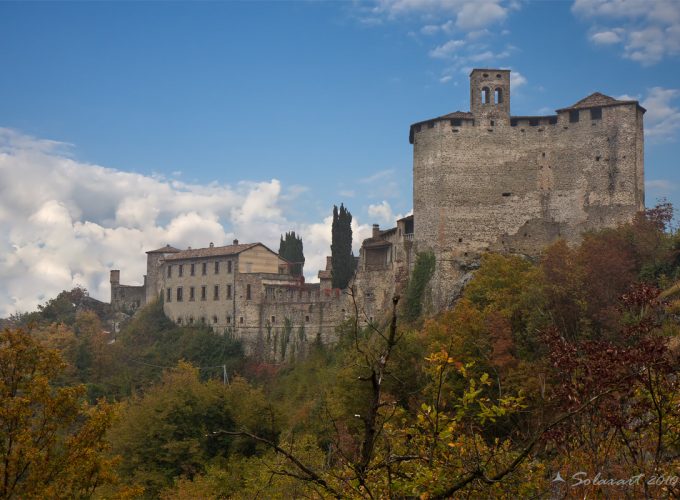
(517, 188)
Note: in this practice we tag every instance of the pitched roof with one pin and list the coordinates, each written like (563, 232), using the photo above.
(165, 249)
(597, 99)
(224, 251)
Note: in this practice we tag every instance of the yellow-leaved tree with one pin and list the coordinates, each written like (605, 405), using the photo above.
(52, 443)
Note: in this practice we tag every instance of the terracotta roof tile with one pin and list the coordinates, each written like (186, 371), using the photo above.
(211, 251)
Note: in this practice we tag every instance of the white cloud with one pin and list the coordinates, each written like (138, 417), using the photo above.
(447, 50)
(647, 30)
(382, 212)
(517, 79)
(475, 15)
(445, 78)
(662, 119)
(661, 185)
(65, 223)
(606, 37)
(468, 14)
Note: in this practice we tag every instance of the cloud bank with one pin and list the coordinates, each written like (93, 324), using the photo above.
(647, 31)
(65, 223)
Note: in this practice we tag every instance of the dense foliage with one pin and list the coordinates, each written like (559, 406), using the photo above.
(291, 249)
(565, 365)
(420, 277)
(342, 258)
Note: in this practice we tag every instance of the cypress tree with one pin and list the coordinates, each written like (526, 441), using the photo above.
(291, 249)
(342, 258)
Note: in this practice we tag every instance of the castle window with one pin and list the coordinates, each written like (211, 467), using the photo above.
(307, 319)
(191, 320)
(597, 158)
(229, 267)
(169, 271)
(214, 319)
(499, 95)
(460, 240)
(248, 292)
(204, 269)
(533, 122)
(228, 291)
(191, 293)
(240, 320)
(486, 95)
(507, 194)
(456, 122)
(216, 292)
(217, 267)
(193, 270)
(596, 113)
(273, 319)
(486, 75)
(492, 123)
(513, 122)
(179, 321)
(180, 271)
(203, 292)
(168, 295)
(228, 320)
(573, 116)
(179, 294)
(498, 75)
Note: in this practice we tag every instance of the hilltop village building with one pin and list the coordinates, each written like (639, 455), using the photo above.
(483, 180)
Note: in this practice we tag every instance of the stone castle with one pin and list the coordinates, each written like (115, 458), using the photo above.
(483, 180)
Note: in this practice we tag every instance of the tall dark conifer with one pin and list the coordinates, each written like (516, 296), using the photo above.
(291, 249)
(342, 259)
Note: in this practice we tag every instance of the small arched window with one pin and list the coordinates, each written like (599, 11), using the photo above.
(499, 95)
(486, 95)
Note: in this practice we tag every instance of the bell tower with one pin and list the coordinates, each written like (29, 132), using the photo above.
(490, 96)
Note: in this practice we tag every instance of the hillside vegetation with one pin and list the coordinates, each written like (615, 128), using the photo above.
(566, 365)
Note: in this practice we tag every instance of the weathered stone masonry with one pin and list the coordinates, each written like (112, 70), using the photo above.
(485, 180)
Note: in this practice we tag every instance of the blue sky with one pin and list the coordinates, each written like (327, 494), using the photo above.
(280, 108)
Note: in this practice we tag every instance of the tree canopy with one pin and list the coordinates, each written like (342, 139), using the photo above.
(291, 249)
(342, 258)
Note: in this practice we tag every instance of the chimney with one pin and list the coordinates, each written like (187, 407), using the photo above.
(376, 231)
(211, 244)
(235, 242)
(115, 277)
(329, 263)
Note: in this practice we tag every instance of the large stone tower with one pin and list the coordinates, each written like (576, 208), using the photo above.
(484, 180)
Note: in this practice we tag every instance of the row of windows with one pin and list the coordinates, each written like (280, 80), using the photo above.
(190, 321)
(215, 320)
(488, 99)
(179, 293)
(204, 269)
(595, 114)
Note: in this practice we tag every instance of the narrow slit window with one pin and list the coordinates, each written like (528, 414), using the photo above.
(499, 96)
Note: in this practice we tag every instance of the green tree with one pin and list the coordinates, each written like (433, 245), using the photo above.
(52, 444)
(291, 249)
(422, 272)
(342, 258)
